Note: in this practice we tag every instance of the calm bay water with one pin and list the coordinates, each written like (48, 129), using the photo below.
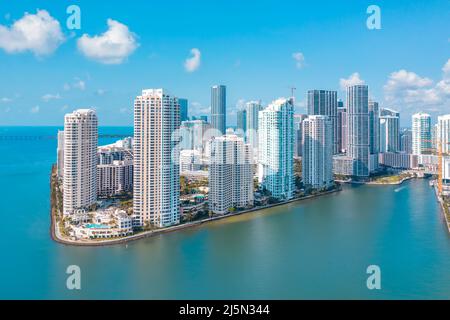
(317, 248)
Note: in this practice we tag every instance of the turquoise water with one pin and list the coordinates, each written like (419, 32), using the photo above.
(318, 248)
(96, 226)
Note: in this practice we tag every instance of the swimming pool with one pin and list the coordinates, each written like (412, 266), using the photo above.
(96, 226)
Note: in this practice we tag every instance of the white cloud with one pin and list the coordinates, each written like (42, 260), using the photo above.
(47, 97)
(353, 80)
(408, 90)
(198, 109)
(111, 47)
(100, 92)
(299, 59)
(5, 99)
(123, 110)
(39, 33)
(446, 68)
(193, 63)
(35, 109)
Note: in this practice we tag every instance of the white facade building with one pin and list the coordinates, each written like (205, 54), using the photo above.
(317, 164)
(190, 160)
(421, 133)
(252, 110)
(443, 133)
(230, 174)
(358, 129)
(389, 134)
(60, 155)
(276, 148)
(115, 178)
(156, 159)
(80, 160)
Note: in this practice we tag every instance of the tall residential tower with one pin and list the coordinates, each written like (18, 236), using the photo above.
(358, 128)
(80, 160)
(276, 148)
(156, 164)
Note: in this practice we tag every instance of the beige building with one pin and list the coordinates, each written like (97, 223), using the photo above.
(156, 159)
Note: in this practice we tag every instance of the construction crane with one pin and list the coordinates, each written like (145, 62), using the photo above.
(440, 155)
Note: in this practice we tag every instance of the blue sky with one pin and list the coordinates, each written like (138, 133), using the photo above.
(247, 45)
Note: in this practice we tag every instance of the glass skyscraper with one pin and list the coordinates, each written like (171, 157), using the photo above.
(218, 108)
(358, 128)
(184, 109)
(324, 102)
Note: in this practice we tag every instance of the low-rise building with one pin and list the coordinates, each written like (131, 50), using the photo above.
(342, 165)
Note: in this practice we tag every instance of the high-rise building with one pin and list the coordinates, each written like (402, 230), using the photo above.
(230, 174)
(80, 160)
(421, 133)
(60, 155)
(298, 134)
(115, 168)
(358, 128)
(252, 108)
(342, 128)
(406, 141)
(389, 134)
(324, 102)
(374, 127)
(218, 108)
(389, 112)
(184, 109)
(443, 136)
(241, 125)
(115, 178)
(193, 135)
(317, 160)
(156, 159)
(276, 148)
(374, 135)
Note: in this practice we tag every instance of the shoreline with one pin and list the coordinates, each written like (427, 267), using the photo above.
(147, 234)
(443, 211)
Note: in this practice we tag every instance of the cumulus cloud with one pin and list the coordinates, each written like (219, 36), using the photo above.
(111, 47)
(5, 99)
(299, 59)
(39, 33)
(353, 80)
(193, 63)
(77, 84)
(446, 68)
(408, 90)
(47, 97)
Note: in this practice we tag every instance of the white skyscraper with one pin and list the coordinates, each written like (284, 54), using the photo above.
(389, 134)
(443, 134)
(324, 102)
(276, 148)
(252, 111)
(317, 164)
(80, 160)
(421, 133)
(358, 128)
(156, 159)
(60, 155)
(230, 174)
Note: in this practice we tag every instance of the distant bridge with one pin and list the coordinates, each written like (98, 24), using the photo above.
(55, 137)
